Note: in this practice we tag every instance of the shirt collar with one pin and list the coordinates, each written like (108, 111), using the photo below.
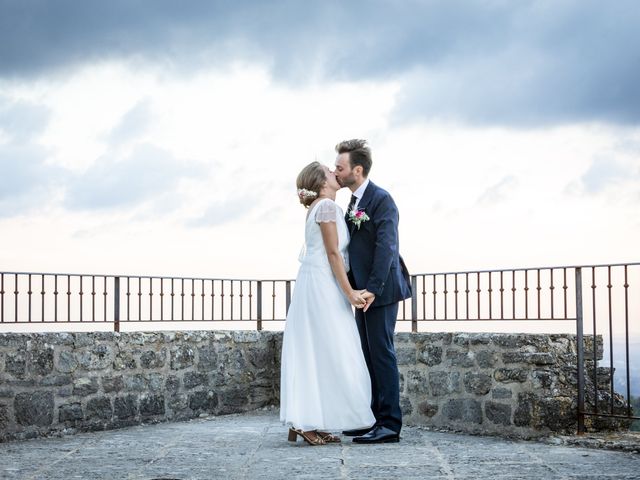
(360, 191)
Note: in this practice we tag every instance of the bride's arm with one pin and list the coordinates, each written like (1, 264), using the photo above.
(330, 239)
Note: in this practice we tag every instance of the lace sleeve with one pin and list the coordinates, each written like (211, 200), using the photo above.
(326, 212)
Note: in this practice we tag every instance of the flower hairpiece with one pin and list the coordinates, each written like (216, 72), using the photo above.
(304, 193)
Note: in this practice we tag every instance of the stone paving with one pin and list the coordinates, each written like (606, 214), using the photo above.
(254, 446)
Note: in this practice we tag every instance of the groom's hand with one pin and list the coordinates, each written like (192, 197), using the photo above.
(369, 298)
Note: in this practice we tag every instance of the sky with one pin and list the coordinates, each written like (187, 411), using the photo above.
(164, 138)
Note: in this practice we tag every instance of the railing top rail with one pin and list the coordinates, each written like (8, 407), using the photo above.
(154, 277)
(521, 269)
(166, 277)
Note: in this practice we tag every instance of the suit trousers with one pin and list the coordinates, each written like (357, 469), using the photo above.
(376, 327)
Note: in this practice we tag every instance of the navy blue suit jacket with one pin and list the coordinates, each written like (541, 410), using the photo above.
(374, 255)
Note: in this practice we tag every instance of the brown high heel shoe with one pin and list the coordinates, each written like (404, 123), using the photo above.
(328, 437)
(316, 440)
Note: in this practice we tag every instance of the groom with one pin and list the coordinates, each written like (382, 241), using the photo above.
(376, 266)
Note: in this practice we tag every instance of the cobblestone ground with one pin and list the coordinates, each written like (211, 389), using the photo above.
(254, 446)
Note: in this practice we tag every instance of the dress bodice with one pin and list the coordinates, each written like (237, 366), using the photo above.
(313, 251)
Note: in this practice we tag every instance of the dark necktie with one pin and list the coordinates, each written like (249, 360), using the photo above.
(352, 203)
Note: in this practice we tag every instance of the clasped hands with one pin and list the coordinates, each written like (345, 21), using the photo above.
(362, 299)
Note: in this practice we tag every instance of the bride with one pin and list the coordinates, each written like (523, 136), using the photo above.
(324, 383)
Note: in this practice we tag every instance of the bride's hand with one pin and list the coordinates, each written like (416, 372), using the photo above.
(355, 298)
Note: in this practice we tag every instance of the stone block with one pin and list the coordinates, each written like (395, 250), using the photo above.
(510, 375)
(461, 339)
(124, 361)
(523, 414)
(70, 412)
(194, 379)
(136, 383)
(427, 409)
(416, 382)
(152, 359)
(41, 359)
(182, 357)
(203, 401)
(125, 407)
(480, 338)
(16, 364)
(207, 358)
(499, 413)
(4, 417)
(84, 386)
(260, 357)
(542, 379)
(405, 406)
(172, 384)
(112, 383)
(156, 382)
(406, 355)
(463, 409)
(151, 405)
(444, 383)
(34, 408)
(458, 358)
(99, 408)
(66, 362)
(98, 357)
(17, 341)
(233, 400)
(431, 355)
(178, 402)
(486, 359)
(477, 383)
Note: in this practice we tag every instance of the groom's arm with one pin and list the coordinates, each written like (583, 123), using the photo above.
(385, 223)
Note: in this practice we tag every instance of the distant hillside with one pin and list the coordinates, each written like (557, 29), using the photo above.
(619, 363)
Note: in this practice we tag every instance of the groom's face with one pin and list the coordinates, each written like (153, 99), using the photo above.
(344, 173)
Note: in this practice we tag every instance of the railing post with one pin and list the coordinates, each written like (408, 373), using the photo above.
(580, 348)
(116, 304)
(288, 294)
(414, 303)
(259, 308)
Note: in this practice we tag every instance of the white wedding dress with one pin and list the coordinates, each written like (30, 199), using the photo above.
(324, 382)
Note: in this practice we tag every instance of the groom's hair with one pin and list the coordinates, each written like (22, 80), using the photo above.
(359, 153)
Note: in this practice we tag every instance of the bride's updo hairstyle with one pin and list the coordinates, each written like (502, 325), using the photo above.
(309, 182)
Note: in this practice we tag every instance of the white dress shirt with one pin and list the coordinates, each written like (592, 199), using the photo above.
(359, 193)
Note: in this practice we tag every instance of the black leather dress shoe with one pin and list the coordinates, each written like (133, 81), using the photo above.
(378, 435)
(357, 433)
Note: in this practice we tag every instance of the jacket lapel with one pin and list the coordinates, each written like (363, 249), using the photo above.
(362, 205)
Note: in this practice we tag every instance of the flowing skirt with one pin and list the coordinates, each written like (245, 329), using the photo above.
(324, 381)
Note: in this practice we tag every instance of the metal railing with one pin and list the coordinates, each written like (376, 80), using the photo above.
(551, 294)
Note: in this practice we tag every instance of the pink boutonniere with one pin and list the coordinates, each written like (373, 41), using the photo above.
(358, 217)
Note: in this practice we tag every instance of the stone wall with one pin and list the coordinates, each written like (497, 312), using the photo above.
(66, 382)
(509, 384)
(520, 385)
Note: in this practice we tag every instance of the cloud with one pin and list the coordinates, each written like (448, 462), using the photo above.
(498, 192)
(481, 62)
(604, 172)
(219, 213)
(26, 181)
(126, 182)
(133, 123)
(21, 120)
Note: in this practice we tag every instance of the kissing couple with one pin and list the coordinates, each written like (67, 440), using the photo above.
(338, 374)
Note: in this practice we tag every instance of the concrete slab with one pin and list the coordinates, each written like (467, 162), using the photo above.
(254, 446)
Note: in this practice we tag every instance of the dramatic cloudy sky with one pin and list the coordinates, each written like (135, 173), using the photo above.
(164, 137)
